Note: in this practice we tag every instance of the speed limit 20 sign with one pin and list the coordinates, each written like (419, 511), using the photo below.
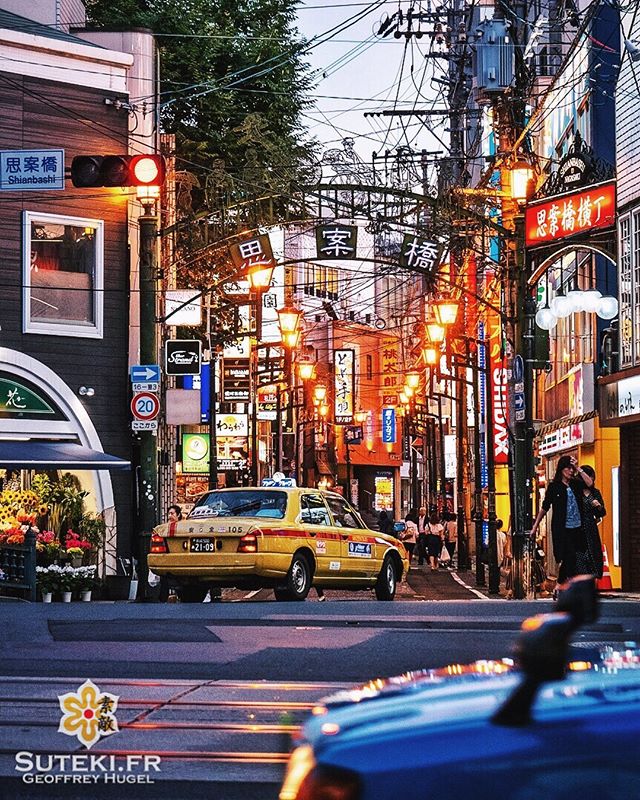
(145, 407)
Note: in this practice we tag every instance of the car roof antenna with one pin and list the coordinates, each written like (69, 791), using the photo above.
(543, 646)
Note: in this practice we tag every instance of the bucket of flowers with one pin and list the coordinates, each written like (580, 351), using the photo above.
(47, 548)
(48, 581)
(76, 549)
(85, 581)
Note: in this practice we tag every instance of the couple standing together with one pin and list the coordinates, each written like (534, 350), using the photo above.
(577, 508)
(430, 537)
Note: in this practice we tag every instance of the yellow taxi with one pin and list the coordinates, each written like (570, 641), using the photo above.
(280, 536)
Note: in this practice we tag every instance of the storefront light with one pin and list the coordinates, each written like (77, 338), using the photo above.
(306, 370)
(576, 299)
(561, 305)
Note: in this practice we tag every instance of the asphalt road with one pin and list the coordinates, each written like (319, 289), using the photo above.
(216, 690)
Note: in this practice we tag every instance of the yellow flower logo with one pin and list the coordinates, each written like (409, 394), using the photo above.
(88, 714)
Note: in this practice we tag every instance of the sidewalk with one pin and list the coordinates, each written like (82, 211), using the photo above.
(442, 584)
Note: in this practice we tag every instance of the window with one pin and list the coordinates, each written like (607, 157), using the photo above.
(313, 510)
(246, 503)
(343, 515)
(62, 275)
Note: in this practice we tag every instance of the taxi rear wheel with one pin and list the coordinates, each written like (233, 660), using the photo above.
(387, 581)
(298, 580)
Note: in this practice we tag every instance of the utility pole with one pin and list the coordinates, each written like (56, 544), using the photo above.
(148, 475)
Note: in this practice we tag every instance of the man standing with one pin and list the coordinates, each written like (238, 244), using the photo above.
(423, 522)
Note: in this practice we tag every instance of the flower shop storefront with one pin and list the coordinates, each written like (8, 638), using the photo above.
(57, 510)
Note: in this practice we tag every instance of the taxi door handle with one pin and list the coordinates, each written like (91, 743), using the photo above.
(312, 533)
(345, 535)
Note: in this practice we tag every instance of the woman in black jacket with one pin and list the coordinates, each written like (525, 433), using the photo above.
(570, 522)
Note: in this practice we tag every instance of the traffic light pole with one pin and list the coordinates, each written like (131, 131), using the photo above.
(148, 475)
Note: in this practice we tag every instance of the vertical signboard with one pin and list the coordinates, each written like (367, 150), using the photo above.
(343, 364)
(389, 425)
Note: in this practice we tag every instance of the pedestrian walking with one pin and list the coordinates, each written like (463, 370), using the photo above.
(385, 522)
(421, 544)
(572, 525)
(174, 515)
(410, 535)
(450, 536)
(435, 539)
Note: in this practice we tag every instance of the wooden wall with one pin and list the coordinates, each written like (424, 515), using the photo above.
(37, 114)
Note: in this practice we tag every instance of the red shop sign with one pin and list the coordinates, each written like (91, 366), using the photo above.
(570, 214)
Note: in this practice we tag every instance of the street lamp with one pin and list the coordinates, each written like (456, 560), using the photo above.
(446, 311)
(288, 320)
(320, 392)
(413, 380)
(306, 370)
(259, 277)
(522, 176)
(436, 332)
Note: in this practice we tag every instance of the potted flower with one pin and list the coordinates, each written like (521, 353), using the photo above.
(85, 581)
(67, 583)
(48, 581)
(47, 548)
(76, 547)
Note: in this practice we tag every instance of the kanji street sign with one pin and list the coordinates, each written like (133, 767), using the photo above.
(28, 170)
(145, 406)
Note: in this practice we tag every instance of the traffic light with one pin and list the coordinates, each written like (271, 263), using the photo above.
(143, 170)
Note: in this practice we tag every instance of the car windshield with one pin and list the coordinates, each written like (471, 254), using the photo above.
(249, 503)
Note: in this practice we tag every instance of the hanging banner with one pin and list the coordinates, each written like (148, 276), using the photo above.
(343, 364)
(255, 252)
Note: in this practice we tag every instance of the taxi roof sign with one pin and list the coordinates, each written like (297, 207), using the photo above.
(279, 481)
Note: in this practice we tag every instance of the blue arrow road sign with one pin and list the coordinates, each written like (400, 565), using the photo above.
(518, 400)
(145, 373)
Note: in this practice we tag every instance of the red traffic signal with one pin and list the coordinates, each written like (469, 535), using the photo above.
(143, 170)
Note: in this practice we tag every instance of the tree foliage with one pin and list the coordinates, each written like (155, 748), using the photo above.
(233, 86)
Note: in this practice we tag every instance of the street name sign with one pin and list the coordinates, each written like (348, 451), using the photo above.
(31, 170)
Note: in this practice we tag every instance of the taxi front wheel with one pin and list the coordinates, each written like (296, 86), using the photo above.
(386, 583)
(298, 580)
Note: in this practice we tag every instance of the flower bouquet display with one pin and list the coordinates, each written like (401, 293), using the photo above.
(47, 548)
(76, 548)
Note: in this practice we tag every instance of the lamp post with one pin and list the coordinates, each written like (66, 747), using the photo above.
(288, 322)
(259, 277)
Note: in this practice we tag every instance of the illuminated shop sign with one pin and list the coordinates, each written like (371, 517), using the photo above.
(557, 218)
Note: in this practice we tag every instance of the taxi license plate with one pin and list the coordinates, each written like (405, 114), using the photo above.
(202, 545)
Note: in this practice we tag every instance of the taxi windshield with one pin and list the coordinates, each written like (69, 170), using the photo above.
(249, 503)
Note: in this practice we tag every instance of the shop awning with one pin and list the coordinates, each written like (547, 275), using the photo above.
(565, 422)
(43, 454)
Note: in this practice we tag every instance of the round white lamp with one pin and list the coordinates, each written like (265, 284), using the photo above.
(561, 306)
(576, 298)
(591, 300)
(546, 319)
(608, 308)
